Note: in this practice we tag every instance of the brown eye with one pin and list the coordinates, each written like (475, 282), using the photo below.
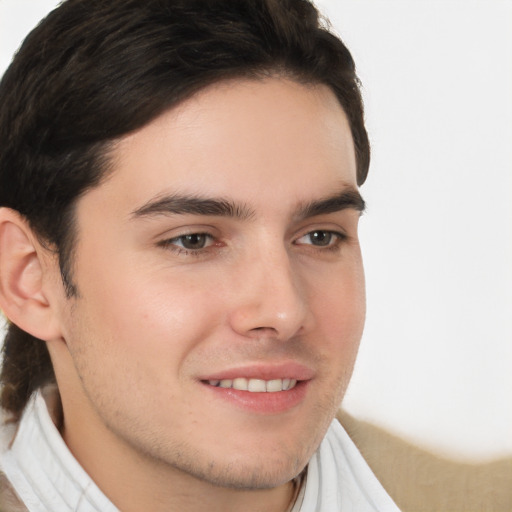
(321, 238)
(193, 241)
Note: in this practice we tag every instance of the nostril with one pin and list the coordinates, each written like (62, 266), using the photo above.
(264, 331)
(277, 314)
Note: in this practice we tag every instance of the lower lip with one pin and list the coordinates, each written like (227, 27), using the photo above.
(263, 403)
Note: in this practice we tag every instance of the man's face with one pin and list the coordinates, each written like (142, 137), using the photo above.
(220, 255)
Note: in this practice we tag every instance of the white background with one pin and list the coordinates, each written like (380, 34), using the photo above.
(435, 365)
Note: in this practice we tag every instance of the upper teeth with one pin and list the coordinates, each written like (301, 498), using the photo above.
(255, 385)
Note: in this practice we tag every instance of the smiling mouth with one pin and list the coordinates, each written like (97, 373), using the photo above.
(254, 385)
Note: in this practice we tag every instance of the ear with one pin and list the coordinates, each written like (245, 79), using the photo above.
(23, 285)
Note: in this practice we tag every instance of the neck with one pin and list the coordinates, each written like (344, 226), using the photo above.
(138, 484)
(134, 482)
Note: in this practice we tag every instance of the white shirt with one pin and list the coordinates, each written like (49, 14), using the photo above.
(340, 480)
(47, 477)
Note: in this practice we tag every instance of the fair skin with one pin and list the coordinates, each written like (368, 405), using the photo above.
(154, 355)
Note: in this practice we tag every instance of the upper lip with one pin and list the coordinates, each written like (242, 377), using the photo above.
(285, 370)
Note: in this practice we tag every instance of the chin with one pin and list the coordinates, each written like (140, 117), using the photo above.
(251, 476)
(238, 467)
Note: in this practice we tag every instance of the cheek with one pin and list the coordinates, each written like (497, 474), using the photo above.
(137, 339)
(143, 322)
(339, 310)
(340, 302)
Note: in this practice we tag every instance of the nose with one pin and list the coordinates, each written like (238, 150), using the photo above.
(270, 299)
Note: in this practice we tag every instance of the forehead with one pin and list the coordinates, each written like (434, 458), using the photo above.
(250, 138)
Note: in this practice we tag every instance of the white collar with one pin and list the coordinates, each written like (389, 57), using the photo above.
(42, 470)
(339, 478)
(47, 477)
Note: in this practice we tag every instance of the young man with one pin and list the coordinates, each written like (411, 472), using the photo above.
(179, 260)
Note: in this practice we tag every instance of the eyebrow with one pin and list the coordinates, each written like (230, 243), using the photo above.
(193, 205)
(348, 198)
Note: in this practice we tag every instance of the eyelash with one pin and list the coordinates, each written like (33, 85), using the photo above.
(339, 238)
(171, 243)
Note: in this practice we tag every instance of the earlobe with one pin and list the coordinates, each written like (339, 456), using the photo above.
(22, 291)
